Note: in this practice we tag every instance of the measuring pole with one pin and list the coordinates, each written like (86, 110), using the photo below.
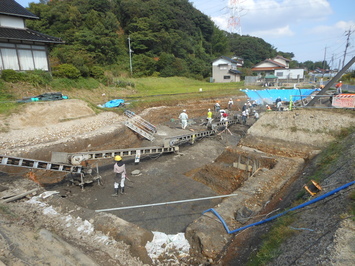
(130, 55)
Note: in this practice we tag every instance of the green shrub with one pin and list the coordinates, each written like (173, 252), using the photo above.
(124, 84)
(66, 71)
(84, 70)
(97, 72)
(10, 75)
(38, 77)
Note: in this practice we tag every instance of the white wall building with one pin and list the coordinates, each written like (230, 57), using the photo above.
(21, 48)
(224, 69)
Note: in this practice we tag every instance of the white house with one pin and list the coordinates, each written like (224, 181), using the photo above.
(21, 48)
(277, 69)
(224, 69)
(268, 66)
(289, 74)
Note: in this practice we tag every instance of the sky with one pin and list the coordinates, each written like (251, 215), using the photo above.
(311, 29)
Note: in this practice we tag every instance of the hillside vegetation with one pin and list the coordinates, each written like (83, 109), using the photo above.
(167, 38)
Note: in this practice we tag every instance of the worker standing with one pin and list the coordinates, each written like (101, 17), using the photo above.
(183, 118)
(217, 107)
(244, 117)
(230, 104)
(256, 115)
(209, 117)
(338, 87)
(119, 168)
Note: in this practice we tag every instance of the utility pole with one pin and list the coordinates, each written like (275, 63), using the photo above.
(331, 62)
(325, 54)
(348, 33)
(130, 55)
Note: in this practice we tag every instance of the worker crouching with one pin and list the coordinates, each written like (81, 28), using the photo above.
(119, 168)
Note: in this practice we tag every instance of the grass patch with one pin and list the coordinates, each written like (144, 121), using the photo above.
(326, 160)
(179, 85)
(66, 84)
(270, 248)
(7, 100)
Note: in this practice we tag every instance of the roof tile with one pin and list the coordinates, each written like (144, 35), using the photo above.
(12, 8)
(27, 35)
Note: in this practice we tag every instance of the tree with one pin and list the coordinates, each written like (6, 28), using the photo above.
(252, 49)
(143, 66)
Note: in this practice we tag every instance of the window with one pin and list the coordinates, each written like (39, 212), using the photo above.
(279, 74)
(10, 59)
(222, 67)
(226, 77)
(23, 56)
(26, 59)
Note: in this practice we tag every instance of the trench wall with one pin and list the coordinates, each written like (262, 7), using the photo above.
(207, 235)
(290, 138)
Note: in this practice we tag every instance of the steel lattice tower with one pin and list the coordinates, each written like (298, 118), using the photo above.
(234, 25)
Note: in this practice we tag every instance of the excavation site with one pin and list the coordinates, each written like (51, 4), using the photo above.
(193, 186)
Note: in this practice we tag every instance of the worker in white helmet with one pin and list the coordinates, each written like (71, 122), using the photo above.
(119, 168)
(183, 118)
(338, 87)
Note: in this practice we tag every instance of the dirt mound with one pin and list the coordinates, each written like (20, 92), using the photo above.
(39, 114)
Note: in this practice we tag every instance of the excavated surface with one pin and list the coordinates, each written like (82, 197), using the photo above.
(164, 178)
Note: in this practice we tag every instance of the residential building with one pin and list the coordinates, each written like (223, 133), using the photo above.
(22, 49)
(277, 70)
(225, 69)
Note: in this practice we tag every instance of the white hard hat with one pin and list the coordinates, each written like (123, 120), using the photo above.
(184, 110)
(209, 109)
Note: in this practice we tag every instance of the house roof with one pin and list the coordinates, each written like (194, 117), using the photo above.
(12, 8)
(274, 62)
(27, 35)
(234, 71)
(281, 57)
(228, 59)
(265, 68)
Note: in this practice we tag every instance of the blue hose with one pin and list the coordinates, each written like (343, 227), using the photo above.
(280, 214)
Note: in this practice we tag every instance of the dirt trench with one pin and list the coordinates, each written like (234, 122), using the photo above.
(210, 167)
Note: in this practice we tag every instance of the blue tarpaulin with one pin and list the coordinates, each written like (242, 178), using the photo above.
(269, 96)
(113, 103)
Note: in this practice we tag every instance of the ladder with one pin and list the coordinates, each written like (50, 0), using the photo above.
(192, 137)
(140, 126)
(35, 164)
(77, 158)
(178, 140)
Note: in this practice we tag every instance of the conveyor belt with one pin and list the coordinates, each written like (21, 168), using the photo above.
(191, 137)
(35, 164)
(76, 158)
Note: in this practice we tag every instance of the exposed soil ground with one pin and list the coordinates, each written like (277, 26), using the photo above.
(199, 170)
